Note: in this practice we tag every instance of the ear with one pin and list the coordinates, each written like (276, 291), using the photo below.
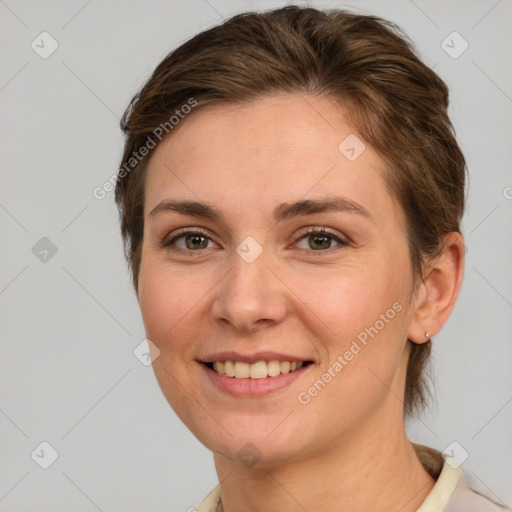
(436, 295)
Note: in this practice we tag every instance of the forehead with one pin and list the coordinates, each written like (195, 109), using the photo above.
(281, 148)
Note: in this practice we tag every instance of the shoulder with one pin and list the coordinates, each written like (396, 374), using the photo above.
(471, 496)
(455, 490)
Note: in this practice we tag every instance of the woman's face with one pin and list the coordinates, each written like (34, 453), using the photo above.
(253, 285)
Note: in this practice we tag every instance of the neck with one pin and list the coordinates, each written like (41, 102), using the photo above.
(374, 468)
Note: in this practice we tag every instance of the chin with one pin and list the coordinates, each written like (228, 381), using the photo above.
(252, 440)
(259, 453)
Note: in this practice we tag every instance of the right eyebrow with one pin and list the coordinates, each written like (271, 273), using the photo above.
(191, 208)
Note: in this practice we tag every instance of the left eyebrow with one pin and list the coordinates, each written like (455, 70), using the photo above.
(310, 206)
(281, 213)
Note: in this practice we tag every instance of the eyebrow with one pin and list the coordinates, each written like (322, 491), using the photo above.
(282, 212)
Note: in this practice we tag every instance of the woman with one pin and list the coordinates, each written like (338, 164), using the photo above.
(291, 194)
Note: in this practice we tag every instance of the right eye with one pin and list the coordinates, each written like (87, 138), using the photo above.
(188, 240)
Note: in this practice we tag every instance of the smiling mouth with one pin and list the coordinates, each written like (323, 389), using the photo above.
(258, 370)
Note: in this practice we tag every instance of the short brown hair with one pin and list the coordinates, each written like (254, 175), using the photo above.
(397, 104)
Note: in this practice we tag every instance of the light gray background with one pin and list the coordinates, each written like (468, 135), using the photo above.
(68, 375)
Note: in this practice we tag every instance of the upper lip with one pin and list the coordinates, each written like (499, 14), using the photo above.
(251, 358)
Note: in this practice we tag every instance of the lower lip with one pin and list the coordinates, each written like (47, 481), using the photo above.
(253, 387)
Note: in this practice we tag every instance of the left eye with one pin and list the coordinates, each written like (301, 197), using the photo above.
(320, 239)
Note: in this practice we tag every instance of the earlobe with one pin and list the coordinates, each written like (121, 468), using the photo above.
(437, 294)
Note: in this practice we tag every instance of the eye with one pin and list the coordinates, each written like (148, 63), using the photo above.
(320, 239)
(190, 240)
(195, 240)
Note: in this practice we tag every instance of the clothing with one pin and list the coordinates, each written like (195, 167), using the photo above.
(454, 490)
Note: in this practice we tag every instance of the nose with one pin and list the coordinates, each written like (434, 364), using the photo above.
(250, 297)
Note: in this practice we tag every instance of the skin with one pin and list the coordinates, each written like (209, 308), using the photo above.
(347, 448)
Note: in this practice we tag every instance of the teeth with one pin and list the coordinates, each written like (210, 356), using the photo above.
(273, 368)
(259, 370)
(229, 368)
(242, 370)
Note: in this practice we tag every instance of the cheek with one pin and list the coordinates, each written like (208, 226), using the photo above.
(362, 330)
(168, 301)
(351, 299)
(166, 298)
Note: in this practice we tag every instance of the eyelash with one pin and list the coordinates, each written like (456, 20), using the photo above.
(310, 231)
